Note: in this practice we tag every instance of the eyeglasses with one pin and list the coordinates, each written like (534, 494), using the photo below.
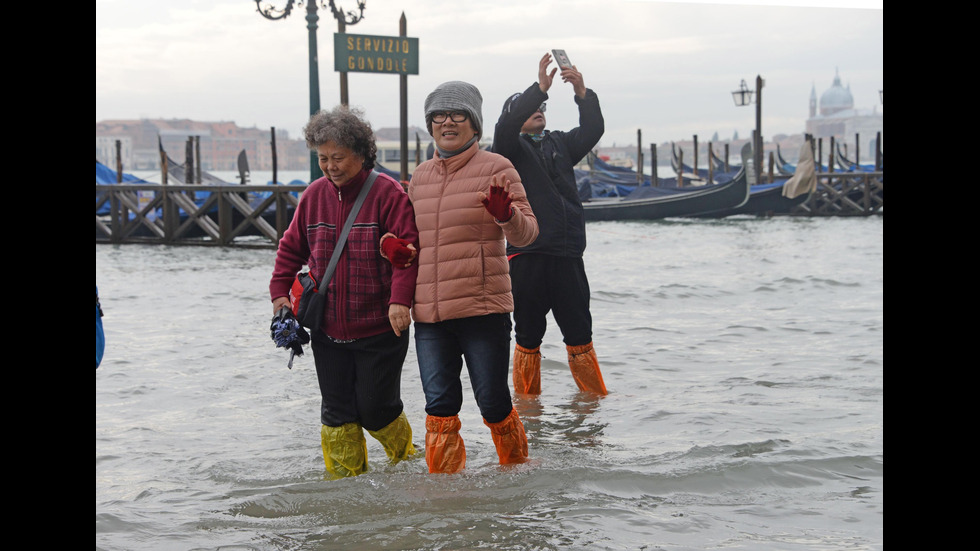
(543, 107)
(456, 116)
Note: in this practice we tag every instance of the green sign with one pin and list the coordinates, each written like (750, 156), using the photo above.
(361, 53)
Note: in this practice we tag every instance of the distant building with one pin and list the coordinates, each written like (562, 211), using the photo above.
(220, 144)
(106, 150)
(389, 145)
(835, 116)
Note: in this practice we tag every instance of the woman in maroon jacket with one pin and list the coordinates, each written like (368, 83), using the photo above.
(364, 338)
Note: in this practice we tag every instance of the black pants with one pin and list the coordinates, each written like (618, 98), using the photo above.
(543, 283)
(360, 381)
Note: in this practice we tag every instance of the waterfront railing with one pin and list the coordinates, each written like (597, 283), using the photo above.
(232, 215)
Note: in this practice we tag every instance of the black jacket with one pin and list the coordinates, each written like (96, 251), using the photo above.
(546, 169)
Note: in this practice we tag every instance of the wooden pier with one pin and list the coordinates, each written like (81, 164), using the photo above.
(845, 194)
(233, 215)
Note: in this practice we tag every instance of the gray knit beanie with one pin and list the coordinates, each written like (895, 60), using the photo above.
(456, 95)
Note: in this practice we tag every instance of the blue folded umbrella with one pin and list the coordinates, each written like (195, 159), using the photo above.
(288, 333)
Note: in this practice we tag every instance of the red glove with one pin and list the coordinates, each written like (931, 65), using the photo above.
(498, 204)
(397, 252)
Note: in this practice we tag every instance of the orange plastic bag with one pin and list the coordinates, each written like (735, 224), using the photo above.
(585, 369)
(444, 449)
(527, 370)
(509, 438)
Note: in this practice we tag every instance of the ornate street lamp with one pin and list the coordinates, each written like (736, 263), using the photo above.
(743, 97)
(350, 18)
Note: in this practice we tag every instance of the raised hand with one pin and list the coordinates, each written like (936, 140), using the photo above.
(574, 77)
(544, 77)
(498, 202)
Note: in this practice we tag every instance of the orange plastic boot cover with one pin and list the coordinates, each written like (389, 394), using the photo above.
(527, 370)
(509, 438)
(585, 368)
(444, 449)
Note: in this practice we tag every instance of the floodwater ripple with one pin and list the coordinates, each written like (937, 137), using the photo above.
(744, 359)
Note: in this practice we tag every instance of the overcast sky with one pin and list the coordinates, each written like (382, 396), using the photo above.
(665, 68)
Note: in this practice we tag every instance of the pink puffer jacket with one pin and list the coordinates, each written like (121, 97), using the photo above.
(463, 268)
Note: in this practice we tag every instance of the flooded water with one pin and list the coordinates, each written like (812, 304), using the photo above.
(744, 359)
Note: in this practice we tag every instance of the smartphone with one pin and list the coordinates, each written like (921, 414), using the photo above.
(562, 59)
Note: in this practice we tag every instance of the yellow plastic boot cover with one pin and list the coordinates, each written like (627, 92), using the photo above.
(585, 368)
(396, 438)
(444, 449)
(344, 450)
(527, 370)
(509, 438)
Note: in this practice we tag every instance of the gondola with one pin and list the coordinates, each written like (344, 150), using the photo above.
(715, 172)
(784, 168)
(686, 171)
(779, 197)
(655, 203)
(847, 165)
(719, 164)
(764, 199)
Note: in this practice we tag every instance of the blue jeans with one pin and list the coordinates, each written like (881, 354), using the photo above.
(484, 342)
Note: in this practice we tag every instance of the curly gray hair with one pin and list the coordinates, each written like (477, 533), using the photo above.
(346, 127)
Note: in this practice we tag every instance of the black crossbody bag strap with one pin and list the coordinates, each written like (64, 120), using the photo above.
(342, 240)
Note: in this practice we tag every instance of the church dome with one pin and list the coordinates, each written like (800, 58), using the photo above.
(836, 98)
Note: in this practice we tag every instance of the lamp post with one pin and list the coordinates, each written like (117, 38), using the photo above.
(350, 18)
(743, 97)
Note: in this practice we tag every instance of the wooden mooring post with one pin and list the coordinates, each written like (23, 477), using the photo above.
(253, 216)
(653, 165)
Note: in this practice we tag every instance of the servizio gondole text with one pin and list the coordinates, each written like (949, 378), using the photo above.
(376, 54)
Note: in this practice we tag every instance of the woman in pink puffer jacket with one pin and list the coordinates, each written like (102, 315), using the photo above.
(467, 201)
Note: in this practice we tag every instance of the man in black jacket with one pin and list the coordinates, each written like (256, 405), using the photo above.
(549, 274)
